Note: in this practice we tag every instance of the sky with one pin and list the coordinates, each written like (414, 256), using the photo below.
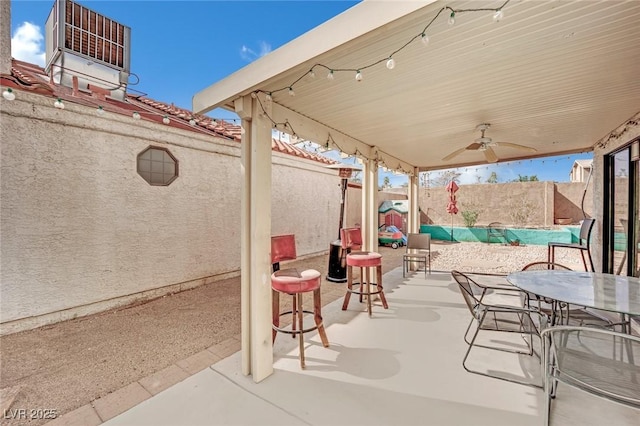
(179, 48)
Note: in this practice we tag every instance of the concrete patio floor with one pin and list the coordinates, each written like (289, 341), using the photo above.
(402, 366)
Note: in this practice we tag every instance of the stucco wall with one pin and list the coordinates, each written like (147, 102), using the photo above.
(82, 231)
(568, 199)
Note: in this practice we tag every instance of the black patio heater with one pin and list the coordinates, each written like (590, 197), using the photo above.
(337, 256)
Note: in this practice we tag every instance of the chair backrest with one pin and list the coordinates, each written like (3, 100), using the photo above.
(586, 358)
(585, 231)
(544, 265)
(283, 247)
(469, 288)
(350, 238)
(417, 241)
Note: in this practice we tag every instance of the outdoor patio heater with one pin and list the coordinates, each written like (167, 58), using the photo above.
(337, 256)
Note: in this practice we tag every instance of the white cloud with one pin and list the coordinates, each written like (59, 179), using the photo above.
(249, 54)
(27, 44)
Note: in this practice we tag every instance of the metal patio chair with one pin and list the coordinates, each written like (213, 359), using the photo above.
(583, 245)
(497, 317)
(422, 244)
(582, 357)
(496, 230)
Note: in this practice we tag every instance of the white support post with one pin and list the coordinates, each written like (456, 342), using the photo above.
(369, 205)
(413, 219)
(257, 347)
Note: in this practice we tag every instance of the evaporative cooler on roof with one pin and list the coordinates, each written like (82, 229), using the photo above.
(83, 43)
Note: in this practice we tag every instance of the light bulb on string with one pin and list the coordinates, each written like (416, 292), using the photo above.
(100, 110)
(330, 75)
(391, 63)
(424, 38)
(192, 121)
(136, 115)
(166, 120)
(498, 15)
(268, 97)
(452, 18)
(58, 104)
(291, 92)
(8, 94)
(312, 74)
(358, 75)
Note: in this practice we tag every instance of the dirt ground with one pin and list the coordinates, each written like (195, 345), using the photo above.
(67, 365)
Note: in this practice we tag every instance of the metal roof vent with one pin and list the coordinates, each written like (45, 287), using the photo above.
(85, 44)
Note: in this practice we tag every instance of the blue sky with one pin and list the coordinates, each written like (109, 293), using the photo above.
(182, 47)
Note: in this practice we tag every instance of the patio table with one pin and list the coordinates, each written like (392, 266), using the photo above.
(607, 292)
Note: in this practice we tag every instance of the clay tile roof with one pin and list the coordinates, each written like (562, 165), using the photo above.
(31, 77)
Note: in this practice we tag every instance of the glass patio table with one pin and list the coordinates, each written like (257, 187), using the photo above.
(607, 292)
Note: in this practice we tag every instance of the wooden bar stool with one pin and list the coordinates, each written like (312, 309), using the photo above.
(351, 238)
(294, 283)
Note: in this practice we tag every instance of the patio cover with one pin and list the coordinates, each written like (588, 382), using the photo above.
(556, 76)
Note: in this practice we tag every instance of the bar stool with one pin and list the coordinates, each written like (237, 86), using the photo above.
(352, 238)
(294, 283)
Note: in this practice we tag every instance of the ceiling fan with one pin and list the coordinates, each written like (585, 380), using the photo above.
(486, 144)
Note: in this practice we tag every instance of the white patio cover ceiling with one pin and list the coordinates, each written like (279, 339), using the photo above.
(556, 76)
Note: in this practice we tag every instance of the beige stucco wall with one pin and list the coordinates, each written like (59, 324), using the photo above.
(619, 137)
(83, 232)
(568, 200)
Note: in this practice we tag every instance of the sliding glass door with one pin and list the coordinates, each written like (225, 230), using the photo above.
(622, 218)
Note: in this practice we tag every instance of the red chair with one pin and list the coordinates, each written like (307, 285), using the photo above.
(351, 238)
(294, 283)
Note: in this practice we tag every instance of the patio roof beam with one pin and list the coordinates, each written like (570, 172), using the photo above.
(309, 129)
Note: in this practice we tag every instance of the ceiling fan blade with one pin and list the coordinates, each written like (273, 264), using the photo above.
(515, 145)
(474, 146)
(490, 155)
(454, 153)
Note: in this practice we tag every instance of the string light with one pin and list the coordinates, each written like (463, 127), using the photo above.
(136, 115)
(8, 94)
(192, 121)
(391, 63)
(58, 104)
(100, 110)
(452, 18)
(166, 120)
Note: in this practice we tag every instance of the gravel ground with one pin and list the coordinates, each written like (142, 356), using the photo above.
(67, 365)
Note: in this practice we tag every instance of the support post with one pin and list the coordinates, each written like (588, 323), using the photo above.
(257, 346)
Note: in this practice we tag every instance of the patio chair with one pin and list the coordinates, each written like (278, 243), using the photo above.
(582, 357)
(421, 243)
(583, 245)
(547, 306)
(497, 317)
(496, 230)
(294, 283)
(351, 238)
